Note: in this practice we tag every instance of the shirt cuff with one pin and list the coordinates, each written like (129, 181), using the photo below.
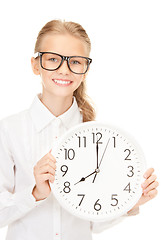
(25, 200)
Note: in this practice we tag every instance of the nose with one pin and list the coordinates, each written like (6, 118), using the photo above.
(64, 69)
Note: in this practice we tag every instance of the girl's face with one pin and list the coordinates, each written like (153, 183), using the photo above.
(66, 45)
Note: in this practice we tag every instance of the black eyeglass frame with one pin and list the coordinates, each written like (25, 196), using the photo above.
(64, 58)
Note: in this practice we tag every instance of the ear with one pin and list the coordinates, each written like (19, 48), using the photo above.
(35, 66)
(84, 76)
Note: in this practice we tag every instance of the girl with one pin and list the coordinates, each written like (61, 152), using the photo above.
(27, 166)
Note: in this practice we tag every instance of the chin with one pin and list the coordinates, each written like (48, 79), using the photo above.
(62, 94)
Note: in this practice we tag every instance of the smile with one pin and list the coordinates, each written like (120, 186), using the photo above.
(61, 82)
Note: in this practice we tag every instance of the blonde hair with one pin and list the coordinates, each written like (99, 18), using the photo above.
(76, 30)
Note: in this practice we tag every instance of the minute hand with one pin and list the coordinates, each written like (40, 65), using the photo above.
(101, 160)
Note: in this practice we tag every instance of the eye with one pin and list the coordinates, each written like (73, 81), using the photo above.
(53, 59)
(75, 62)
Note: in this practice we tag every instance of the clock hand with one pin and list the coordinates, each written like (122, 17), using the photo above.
(97, 170)
(84, 178)
(101, 160)
(97, 152)
(94, 177)
(104, 152)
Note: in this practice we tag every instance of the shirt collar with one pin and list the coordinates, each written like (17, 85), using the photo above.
(41, 116)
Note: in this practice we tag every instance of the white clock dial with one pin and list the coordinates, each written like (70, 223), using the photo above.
(99, 171)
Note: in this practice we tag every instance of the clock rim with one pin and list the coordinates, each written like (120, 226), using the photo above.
(139, 190)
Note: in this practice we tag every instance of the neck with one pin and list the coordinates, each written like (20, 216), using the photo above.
(55, 104)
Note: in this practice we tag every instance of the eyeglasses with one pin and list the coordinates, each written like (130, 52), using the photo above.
(52, 61)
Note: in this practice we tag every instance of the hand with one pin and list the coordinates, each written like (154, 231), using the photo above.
(44, 171)
(149, 188)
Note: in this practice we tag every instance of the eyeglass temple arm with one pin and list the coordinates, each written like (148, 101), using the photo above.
(37, 54)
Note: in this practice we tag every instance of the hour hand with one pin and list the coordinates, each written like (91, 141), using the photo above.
(84, 178)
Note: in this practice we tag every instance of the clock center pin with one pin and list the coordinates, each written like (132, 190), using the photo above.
(97, 170)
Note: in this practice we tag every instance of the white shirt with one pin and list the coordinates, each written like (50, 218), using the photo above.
(25, 138)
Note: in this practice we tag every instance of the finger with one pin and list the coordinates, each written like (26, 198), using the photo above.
(148, 181)
(39, 168)
(152, 186)
(148, 173)
(43, 164)
(151, 194)
(47, 177)
(46, 169)
(46, 159)
(50, 156)
(48, 162)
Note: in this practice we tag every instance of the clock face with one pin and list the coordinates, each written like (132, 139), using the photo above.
(99, 172)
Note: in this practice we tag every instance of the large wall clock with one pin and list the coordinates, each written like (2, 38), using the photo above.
(99, 171)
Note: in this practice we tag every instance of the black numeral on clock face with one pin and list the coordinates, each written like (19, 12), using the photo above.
(82, 141)
(127, 188)
(114, 199)
(66, 188)
(97, 206)
(69, 153)
(97, 137)
(131, 174)
(64, 169)
(81, 195)
(114, 142)
(128, 154)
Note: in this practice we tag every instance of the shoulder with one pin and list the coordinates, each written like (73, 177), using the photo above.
(14, 121)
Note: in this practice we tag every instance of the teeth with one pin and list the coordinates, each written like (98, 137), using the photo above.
(61, 82)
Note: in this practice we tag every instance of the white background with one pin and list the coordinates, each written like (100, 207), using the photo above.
(124, 79)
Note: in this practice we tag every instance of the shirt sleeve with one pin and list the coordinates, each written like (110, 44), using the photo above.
(12, 205)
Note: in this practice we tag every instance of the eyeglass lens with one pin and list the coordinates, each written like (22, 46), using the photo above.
(51, 61)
